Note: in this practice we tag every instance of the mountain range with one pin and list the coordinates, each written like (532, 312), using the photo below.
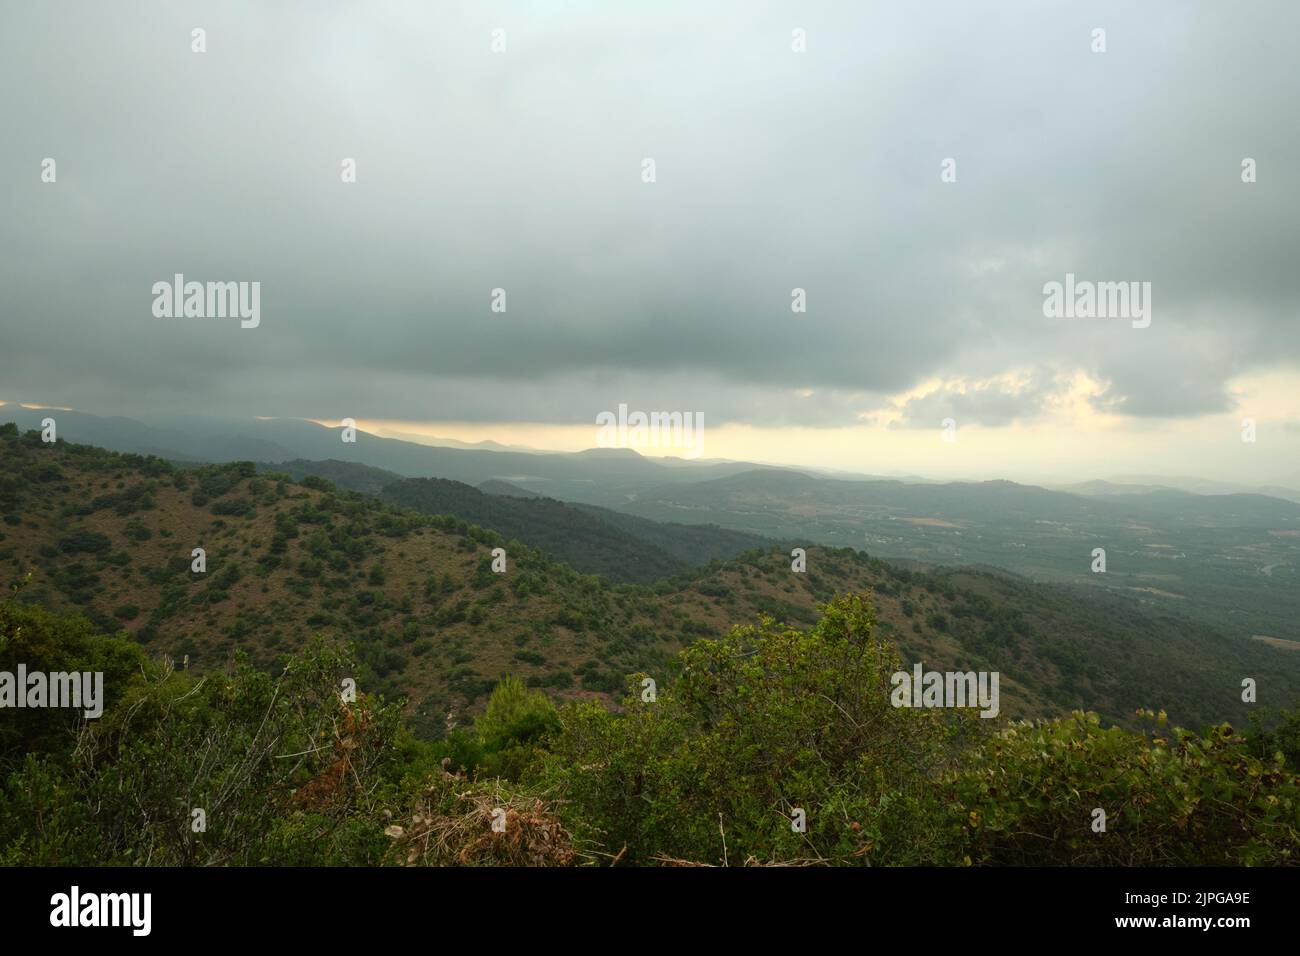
(112, 537)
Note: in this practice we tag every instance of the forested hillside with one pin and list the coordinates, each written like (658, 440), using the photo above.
(111, 537)
(588, 538)
(1229, 561)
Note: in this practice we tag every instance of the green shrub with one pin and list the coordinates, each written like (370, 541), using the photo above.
(516, 721)
(760, 722)
(88, 542)
(1028, 798)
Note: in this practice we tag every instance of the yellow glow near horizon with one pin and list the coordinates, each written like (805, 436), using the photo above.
(1071, 440)
(1076, 443)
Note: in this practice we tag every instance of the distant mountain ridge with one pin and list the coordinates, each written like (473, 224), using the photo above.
(1232, 561)
(110, 537)
(569, 476)
(597, 476)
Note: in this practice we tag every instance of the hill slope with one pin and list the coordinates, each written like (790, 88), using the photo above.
(1229, 561)
(112, 536)
(588, 538)
(598, 476)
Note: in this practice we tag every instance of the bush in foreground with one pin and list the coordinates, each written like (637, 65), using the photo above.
(759, 725)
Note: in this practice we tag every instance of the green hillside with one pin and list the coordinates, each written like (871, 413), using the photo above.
(111, 536)
(1229, 561)
(580, 539)
(775, 747)
(588, 538)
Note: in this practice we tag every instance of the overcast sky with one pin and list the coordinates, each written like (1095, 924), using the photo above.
(774, 170)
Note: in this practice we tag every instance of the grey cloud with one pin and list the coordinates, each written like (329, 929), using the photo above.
(521, 170)
(991, 404)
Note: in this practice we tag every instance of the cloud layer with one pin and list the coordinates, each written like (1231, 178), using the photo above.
(522, 170)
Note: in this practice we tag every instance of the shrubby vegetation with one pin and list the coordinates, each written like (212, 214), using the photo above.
(749, 724)
(281, 768)
(769, 719)
(109, 537)
(763, 721)
(285, 559)
(591, 540)
(758, 723)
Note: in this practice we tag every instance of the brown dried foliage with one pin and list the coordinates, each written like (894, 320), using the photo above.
(452, 826)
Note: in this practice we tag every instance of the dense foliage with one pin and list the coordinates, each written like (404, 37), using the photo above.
(236, 768)
(762, 723)
(769, 719)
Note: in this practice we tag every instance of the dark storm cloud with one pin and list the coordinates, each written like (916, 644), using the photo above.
(521, 170)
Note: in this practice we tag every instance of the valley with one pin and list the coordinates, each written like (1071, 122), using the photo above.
(109, 536)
